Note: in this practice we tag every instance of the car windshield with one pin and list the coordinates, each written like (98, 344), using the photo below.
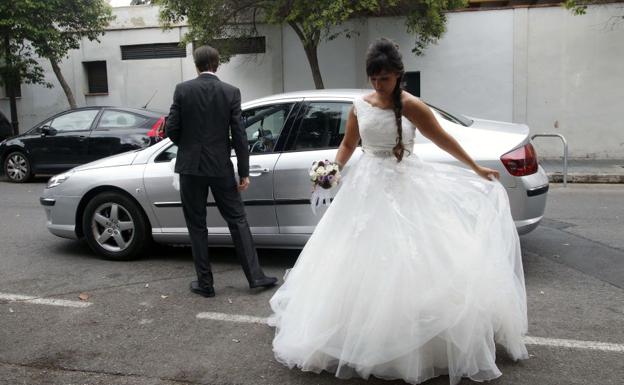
(453, 117)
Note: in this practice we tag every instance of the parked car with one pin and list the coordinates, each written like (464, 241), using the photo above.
(6, 129)
(75, 137)
(121, 203)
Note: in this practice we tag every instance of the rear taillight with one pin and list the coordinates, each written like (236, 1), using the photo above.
(158, 129)
(521, 161)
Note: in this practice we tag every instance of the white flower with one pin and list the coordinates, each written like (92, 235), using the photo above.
(320, 170)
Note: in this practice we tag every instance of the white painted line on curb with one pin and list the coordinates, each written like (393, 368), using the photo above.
(232, 318)
(575, 344)
(540, 341)
(42, 301)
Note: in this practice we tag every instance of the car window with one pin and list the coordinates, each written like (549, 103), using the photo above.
(168, 154)
(264, 125)
(37, 129)
(322, 126)
(452, 117)
(120, 119)
(74, 121)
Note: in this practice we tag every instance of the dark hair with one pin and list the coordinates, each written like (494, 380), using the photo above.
(206, 58)
(384, 55)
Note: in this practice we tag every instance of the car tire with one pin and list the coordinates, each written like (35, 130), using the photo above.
(17, 167)
(115, 227)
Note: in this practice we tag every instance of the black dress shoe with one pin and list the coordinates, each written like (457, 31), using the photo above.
(203, 291)
(263, 282)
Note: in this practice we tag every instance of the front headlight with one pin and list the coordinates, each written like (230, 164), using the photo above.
(58, 179)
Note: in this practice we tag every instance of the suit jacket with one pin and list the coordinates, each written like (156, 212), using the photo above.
(205, 122)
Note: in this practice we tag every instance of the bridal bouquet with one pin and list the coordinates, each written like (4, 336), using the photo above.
(324, 175)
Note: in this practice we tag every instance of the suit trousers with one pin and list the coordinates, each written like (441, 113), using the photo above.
(194, 193)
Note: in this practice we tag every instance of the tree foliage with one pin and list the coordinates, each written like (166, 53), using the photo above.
(314, 22)
(48, 29)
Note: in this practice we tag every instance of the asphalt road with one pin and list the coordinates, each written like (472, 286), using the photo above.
(141, 325)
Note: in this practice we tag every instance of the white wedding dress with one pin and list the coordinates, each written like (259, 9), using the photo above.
(414, 271)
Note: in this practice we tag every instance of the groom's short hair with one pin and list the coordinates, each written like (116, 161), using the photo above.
(206, 58)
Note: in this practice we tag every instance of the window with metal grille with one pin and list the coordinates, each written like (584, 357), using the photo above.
(411, 82)
(17, 89)
(152, 51)
(240, 45)
(96, 77)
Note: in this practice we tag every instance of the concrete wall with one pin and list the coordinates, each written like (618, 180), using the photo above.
(541, 66)
(556, 72)
(132, 83)
(575, 79)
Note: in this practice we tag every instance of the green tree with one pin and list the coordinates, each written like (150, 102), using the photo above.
(314, 22)
(579, 7)
(47, 29)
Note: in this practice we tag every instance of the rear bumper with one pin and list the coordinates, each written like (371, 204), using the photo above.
(537, 191)
(528, 200)
(525, 226)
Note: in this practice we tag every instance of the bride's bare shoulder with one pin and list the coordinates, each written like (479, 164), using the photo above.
(411, 103)
(369, 98)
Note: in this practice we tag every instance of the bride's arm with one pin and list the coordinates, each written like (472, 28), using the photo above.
(350, 141)
(422, 117)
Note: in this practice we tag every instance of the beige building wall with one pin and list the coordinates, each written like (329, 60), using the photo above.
(543, 66)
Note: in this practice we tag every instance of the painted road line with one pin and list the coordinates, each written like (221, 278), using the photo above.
(232, 318)
(42, 301)
(539, 341)
(575, 344)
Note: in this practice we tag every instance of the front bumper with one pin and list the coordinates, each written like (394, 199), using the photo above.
(60, 214)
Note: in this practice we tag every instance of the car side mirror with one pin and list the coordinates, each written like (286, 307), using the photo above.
(47, 131)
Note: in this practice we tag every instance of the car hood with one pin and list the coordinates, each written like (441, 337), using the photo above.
(112, 161)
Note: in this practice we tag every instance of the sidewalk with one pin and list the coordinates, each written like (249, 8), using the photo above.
(585, 170)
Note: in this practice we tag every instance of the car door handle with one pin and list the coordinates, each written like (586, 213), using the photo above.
(258, 170)
(82, 138)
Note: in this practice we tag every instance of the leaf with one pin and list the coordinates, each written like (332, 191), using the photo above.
(84, 296)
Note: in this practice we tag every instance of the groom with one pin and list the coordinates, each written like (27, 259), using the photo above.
(204, 114)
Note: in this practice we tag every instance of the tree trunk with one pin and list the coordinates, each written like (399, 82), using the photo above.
(311, 53)
(10, 85)
(68, 92)
(310, 45)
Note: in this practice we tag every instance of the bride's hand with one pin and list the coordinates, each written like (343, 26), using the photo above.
(487, 173)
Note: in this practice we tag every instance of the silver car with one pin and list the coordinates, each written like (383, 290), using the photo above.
(122, 203)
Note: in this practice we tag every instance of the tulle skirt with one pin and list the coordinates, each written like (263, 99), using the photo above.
(414, 271)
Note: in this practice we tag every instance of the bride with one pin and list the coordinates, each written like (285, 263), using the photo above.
(415, 269)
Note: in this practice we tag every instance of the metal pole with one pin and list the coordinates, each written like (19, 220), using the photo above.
(565, 153)
(9, 82)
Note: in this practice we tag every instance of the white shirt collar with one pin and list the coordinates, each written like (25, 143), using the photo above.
(208, 72)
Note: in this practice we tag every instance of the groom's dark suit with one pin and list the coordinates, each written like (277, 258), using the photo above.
(205, 111)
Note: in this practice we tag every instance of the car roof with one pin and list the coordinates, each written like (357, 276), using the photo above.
(328, 93)
(142, 111)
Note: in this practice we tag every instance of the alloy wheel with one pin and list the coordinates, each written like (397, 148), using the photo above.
(112, 227)
(17, 167)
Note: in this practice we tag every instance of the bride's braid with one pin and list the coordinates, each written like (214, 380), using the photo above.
(384, 55)
(399, 149)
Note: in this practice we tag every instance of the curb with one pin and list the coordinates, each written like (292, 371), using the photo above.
(587, 178)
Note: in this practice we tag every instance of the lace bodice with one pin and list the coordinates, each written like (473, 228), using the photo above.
(378, 127)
